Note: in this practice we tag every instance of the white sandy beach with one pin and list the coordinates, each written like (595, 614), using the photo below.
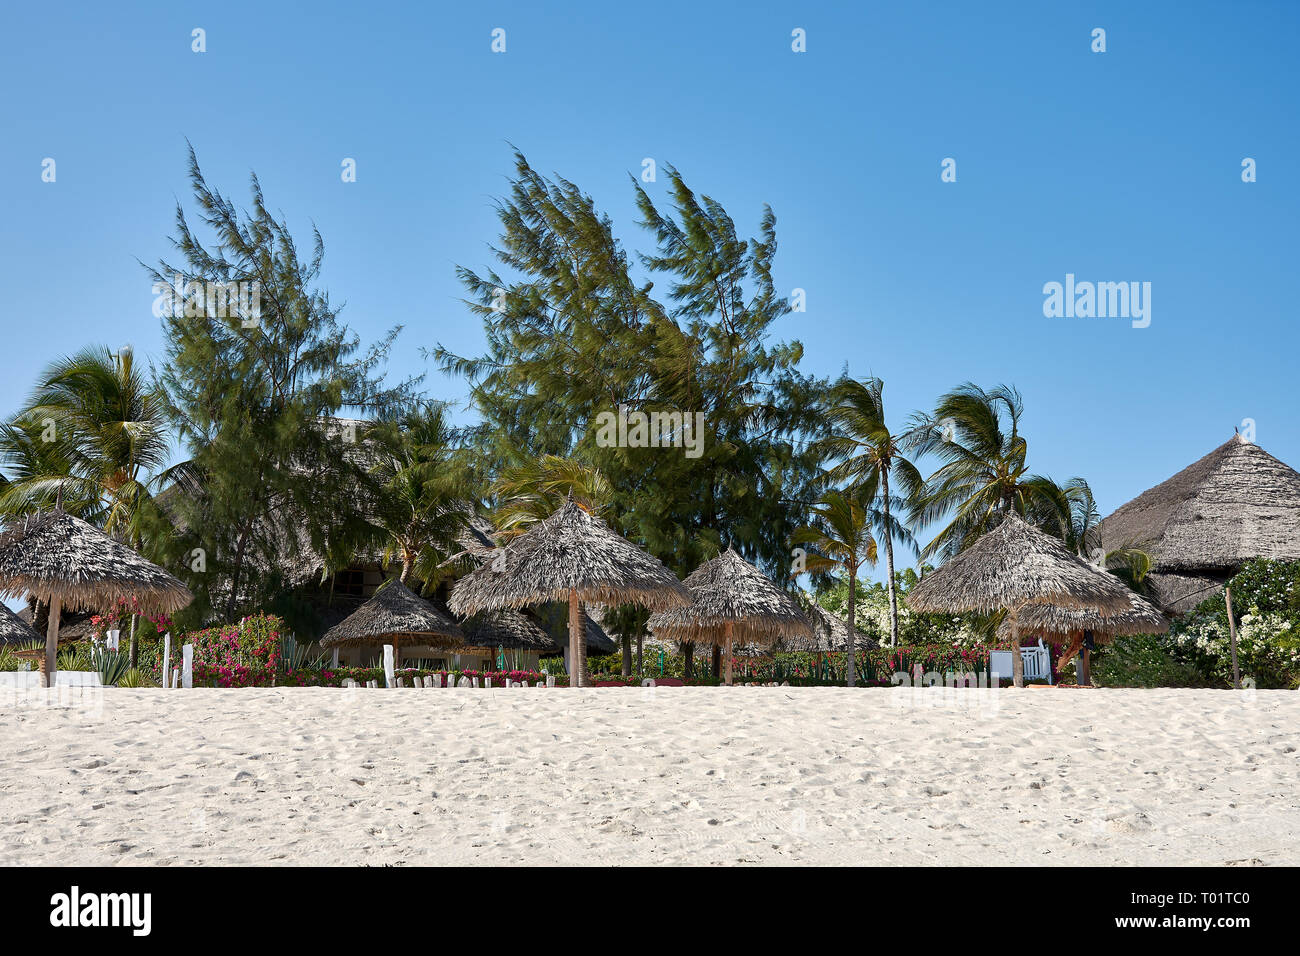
(674, 775)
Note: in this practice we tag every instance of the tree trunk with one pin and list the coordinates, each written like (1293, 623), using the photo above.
(1017, 659)
(640, 655)
(135, 642)
(627, 655)
(52, 641)
(408, 562)
(850, 671)
(575, 640)
(727, 632)
(889, 562)
(397, 654)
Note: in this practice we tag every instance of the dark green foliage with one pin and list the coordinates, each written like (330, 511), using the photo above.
(573, 332)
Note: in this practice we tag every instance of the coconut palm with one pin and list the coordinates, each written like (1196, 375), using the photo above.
(867, 454)
(538, 487)
(104, 422)
(983, 475)
(840, 542)
(422, 485)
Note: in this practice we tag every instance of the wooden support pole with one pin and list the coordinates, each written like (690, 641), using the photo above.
(1232, 634)
(52, 642)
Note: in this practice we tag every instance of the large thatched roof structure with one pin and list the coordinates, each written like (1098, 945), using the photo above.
(54, 555)
(395, 613)
(1200, 526)
(14, 630)
(569, 551)
(727, 592)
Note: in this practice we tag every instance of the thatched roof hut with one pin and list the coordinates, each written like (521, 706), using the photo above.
(520, 630)
(732, 603)
(830, 635)
(62, 560)
(14, 630)
(395, 615)
(1010, 567)
(570, 556)
(1200, 526)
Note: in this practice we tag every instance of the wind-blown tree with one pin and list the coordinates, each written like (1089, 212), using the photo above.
(250, 391)
(983, 474)
(840, 542)
(866, 454)
(575, 330)
(423, 486)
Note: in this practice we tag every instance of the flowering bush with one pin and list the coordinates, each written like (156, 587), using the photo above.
(113, 617)
(335, 676)
(246, 654)
(1266, 602)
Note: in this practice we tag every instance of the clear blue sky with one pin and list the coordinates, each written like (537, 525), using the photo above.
(1115, 166)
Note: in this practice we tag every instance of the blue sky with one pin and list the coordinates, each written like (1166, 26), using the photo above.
(1115, 166)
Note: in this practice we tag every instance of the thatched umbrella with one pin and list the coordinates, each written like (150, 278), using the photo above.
(66, 562)
(1142, 617)
(14, 630)
(731, 601)
(395, 614)
(570, 556)
(1013, 566)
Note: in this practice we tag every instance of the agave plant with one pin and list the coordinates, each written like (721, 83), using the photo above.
(296, 657)
(134, 677)
(111, 665)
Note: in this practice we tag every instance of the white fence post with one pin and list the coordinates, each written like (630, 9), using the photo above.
(166, 668)
(187, 666)
(388, 665)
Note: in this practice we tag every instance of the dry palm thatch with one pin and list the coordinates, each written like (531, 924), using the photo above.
(1234, 504)
(62, 560)
(14, 630)
(395, 615)
(1012, 566)
(830, 634)
(54, 555)
(732, 602)
(570, 556)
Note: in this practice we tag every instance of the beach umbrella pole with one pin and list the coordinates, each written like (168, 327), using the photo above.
(52, 641)
(575, 640)
(1017, 659)
(727, 632)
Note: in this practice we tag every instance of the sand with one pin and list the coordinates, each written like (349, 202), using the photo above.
(672, 775)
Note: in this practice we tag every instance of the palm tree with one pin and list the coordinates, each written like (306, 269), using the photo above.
(423, 486)
(840, 542)
(105, 423)
(536, 488)
(867, 454)
(983, 475)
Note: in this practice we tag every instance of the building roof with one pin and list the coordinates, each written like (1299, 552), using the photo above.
(1236, 503)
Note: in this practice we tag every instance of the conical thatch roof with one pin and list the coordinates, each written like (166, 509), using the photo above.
(53, 554)
(570, 550)
(395, 612)
(1142, 617)
(830, 634)
(1012, 565)
(14, 630)
(1235, 504)
(728, 590)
